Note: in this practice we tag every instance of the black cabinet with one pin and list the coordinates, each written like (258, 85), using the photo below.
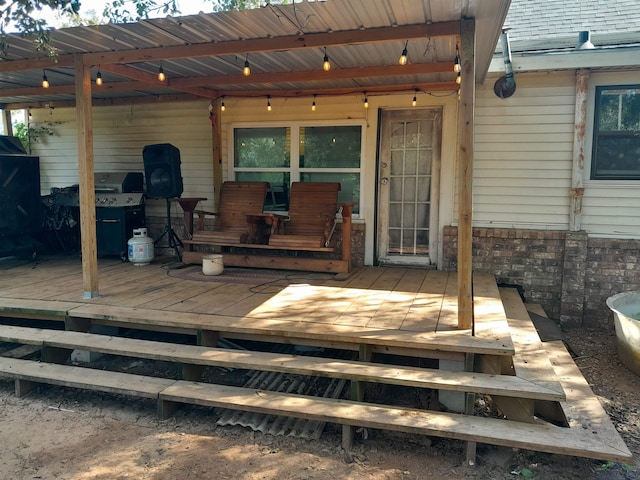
(114, 228)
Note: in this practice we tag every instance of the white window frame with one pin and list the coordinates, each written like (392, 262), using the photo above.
(603, 80)
(294, 167)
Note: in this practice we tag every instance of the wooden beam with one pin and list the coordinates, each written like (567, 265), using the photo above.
(465, 172)
(86, 195)
(252, 45)
(173, 97)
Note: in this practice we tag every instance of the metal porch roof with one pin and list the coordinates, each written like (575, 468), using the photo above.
(203, 54)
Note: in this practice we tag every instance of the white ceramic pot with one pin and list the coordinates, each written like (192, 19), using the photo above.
(212, 265)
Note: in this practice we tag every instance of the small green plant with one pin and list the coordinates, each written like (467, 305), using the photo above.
(33, 132)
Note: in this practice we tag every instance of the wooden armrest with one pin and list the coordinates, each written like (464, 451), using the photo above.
(201, 215)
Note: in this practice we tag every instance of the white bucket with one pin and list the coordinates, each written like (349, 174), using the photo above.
(212, 265)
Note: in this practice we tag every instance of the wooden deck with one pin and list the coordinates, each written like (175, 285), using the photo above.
(398, 311)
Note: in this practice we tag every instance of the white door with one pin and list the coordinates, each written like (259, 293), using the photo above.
(409, 166)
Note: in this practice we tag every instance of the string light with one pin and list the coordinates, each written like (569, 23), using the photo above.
(459, 79)
(222, 107)
(456, 63)
(268, 103)
(326, 65)
(161, 76)
(414, 102)
(246, 71)
(98, 78)
(403, 57)
(366, 100)
(45, 82)
(313, 104)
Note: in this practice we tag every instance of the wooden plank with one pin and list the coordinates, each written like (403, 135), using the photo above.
(582, 406)
(545, 438)
(292, 329)
(304, 365)
(424, 313)
(40, 309)
(530, 361)
(89, 379)
(275, 262)
(490, 319)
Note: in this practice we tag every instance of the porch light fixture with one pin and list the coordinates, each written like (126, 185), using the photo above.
(222, 107)
(246, 71)
(366, 100)
(326, 65)
(98, 78)
(45, 82)
(403, 56)
(268, 103)
(161, 76)
(459, 79)
(414, 102)
(456, 62)
(313, 104)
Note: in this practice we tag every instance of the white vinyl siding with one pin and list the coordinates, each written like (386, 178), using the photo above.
(523, 153)
(119, 135)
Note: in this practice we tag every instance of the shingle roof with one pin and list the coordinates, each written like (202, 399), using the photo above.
(545, 24)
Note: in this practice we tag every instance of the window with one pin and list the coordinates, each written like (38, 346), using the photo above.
(299, 153)
(616, 133)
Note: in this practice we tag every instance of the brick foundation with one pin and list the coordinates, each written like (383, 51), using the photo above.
(568, 273)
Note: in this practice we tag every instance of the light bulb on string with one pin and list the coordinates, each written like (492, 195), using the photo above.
(269, 103)
(222, 107)
(246, 71)
(414, 102)
(403, 56)
(161, 76)
(45, 81)
(366, 100)
(98, 78)
(457, 67)
(313, 104)
(326, 65)
(459, 79)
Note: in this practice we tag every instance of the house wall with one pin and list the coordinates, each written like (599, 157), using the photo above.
(522, 179)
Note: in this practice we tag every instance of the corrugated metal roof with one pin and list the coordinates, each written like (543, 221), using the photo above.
(300, 19)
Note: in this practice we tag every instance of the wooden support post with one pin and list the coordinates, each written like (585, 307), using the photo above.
(86, 194)
(465, 172)
(206, 338)
(365, 352)
(7, 123)
(23, 387)
(166, 409)
(216, 150)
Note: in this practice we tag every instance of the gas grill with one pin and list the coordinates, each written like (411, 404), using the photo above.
(119, 210)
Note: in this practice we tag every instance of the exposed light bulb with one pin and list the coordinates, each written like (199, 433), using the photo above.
(268, 104)
(456, 62)
(366, 101)
(403, 57)
(326, 66)
(45, 82)
(161, 76)
(98, 78)
(313, 104)
(222, 107)
(414, 102)
(459, 79)
(246, 71)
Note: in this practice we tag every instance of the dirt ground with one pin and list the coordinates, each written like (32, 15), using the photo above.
(60, 433)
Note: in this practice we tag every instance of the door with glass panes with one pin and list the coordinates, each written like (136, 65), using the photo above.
(408, 173)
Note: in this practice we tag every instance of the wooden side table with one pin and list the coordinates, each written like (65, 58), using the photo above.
(188, 206)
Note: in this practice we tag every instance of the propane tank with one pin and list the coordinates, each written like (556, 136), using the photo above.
(140, 247)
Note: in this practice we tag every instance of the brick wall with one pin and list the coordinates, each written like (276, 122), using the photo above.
(569, 274)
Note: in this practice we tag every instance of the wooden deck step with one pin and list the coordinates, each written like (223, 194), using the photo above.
(544, 437)
(506, 385)
(170, 393)
(32, 373)
(36, 309)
